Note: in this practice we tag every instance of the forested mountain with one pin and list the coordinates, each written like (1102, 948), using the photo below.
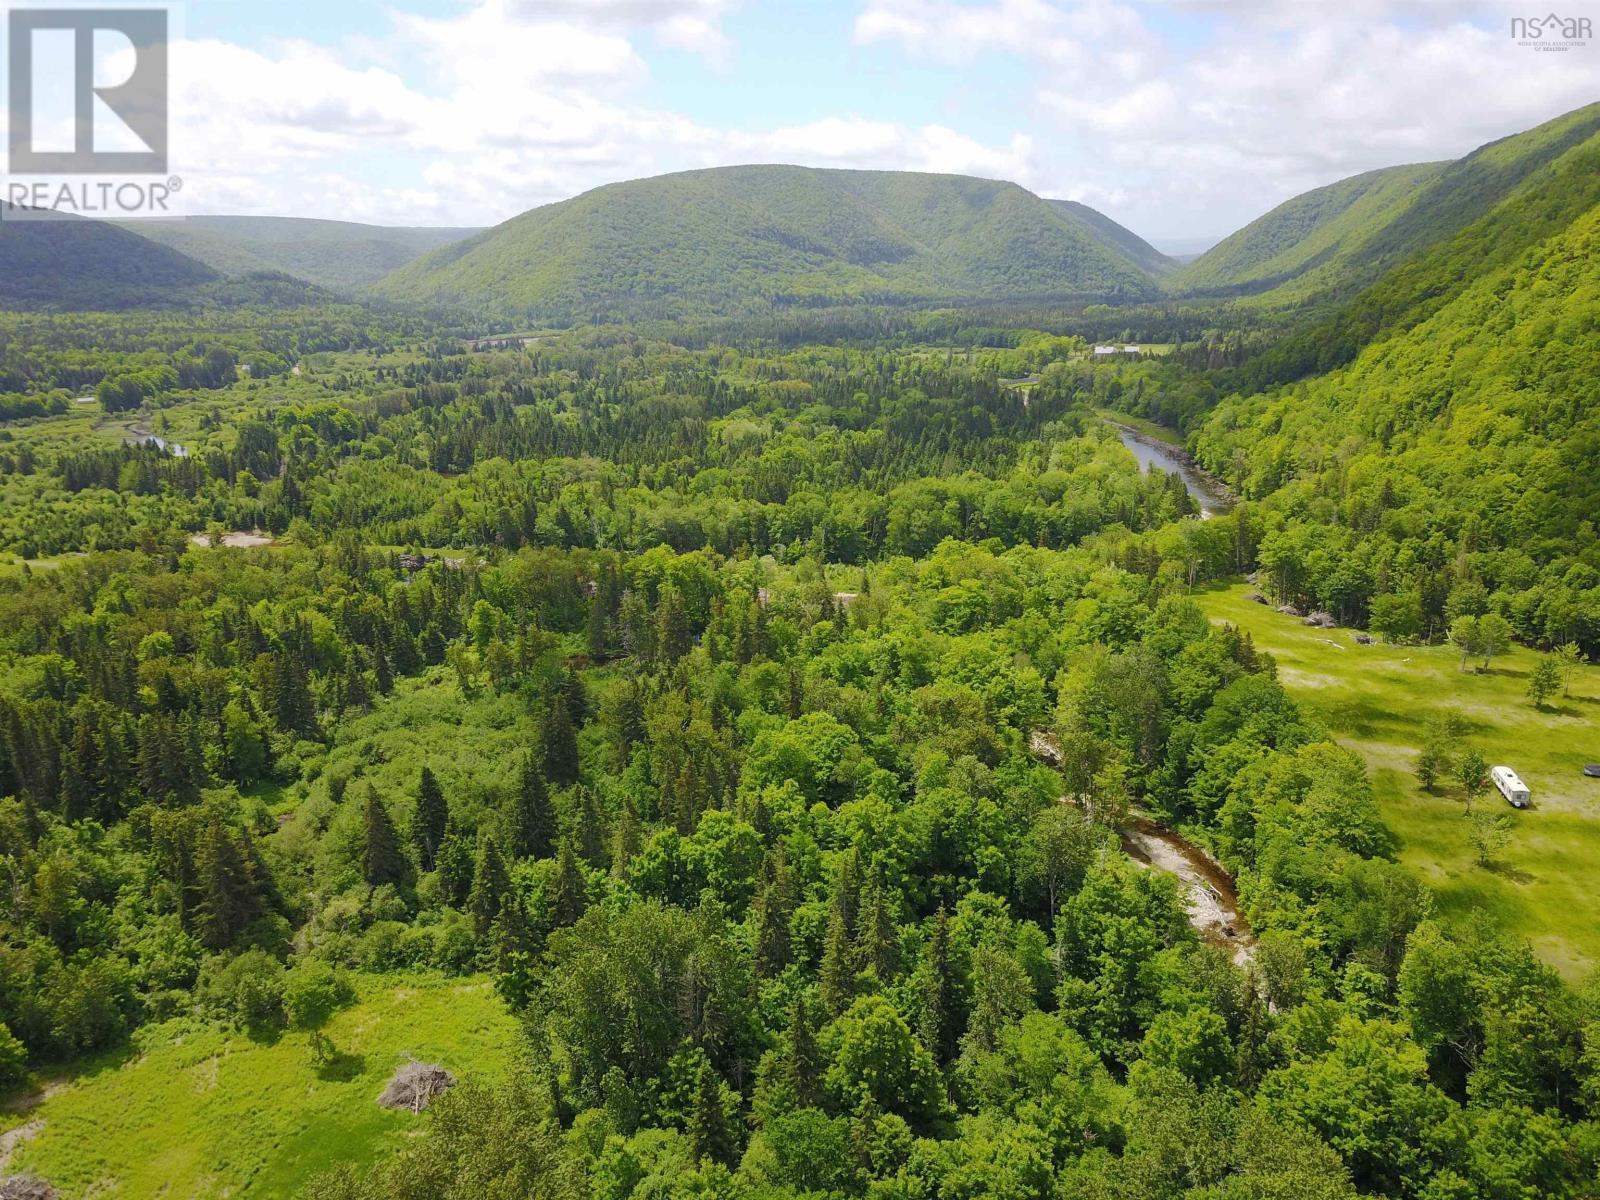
(1303, 233)
(1427, 449)
(1132, 246)
(732, 237)
(75, 263)
(1336, 239)
(1474, 433)
(341, 255)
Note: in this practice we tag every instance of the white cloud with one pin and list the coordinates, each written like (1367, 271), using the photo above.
(1133, 105)
(1201, 133)
(516, 107)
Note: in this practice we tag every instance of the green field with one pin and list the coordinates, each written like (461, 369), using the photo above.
(1378, 699)
(203, 1112)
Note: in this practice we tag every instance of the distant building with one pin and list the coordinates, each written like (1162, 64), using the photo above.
(1099, 350)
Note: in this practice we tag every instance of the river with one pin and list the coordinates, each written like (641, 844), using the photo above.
(1208, 492)
(1207, 890)
(144, 435)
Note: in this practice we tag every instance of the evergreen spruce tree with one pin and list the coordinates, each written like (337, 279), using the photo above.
(674, 638)
(226, 883)
(515, 951)
(774, 907)
(382, 669)
(533, 817)
(802, 1060)
(455, 867)
(877, 939)
(559, 742)
(382, 860)
(491, 886)
(571, 897)
(629, 840)
(836, 978)
(595, 630)
(937, 1024)
(710, 1137)
(591, 828)
(430, 820)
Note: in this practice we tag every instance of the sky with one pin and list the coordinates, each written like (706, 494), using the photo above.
(1182, 119)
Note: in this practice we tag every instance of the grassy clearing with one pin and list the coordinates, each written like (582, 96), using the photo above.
(202, 1112)
(1378, 699)
(1150, 429)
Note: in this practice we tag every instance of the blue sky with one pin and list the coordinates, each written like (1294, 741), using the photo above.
(1181, 118)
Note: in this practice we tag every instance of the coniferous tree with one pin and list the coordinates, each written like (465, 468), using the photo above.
(674, 638)
(515, 951)
(836, 979)
(774, 907)
(382, 859)
(559, 742)
(570, 897)
(491, 886)
(709, 1134)
(430, 820)
(591, 828)
(382, 670)
(455, 866)
(629, 839)
(225, 881)
(937, 1023)
(802, 1064)
(533, 817)
(595, 629)
(877, 940)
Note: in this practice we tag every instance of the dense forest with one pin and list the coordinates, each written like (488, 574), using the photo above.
(762, 721)
(771, 712)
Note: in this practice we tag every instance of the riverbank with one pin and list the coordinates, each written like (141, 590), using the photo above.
(1209, 895)
(1155, 446)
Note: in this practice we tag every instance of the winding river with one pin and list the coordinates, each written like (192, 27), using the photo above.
(1207, 889)
(1209, 492)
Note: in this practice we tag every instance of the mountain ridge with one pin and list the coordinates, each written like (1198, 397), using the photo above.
(341, 255)
(771, 234)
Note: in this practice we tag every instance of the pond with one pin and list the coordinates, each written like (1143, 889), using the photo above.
(1211, 494)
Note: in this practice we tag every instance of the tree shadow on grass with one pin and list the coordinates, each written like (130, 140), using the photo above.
(342, 1067)
(264, 1033)
(1506, 871)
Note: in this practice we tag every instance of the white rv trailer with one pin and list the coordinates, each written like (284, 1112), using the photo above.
(1511, 787)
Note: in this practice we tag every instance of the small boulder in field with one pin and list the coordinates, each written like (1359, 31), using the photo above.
(415, 1085)
(1321, 620)
(1256, 598)
(1291, 610)
(26, 1187)
(1364, 639)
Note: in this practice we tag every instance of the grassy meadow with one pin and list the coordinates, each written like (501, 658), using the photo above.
(198, 1111)
(1378, 700)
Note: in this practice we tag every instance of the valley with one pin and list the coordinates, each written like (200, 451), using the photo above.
(782, 682)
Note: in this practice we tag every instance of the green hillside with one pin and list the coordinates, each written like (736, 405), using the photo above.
(1303, 233)
(1129, 243)
(736, 236)
(332, 254)
(74, 263)
(1332, 241)
(1449, 469)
